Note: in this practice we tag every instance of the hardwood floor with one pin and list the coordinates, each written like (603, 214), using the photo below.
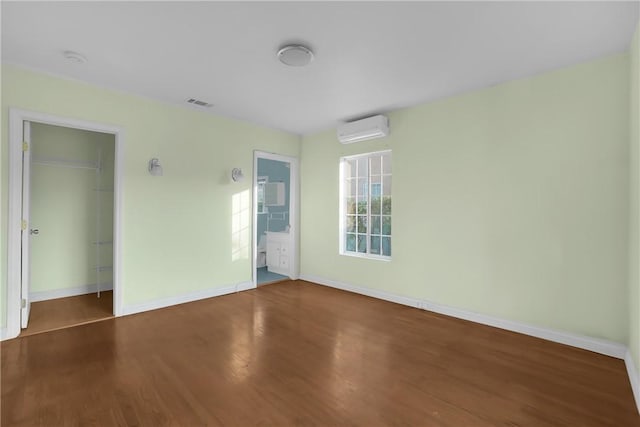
(65, 312)
(295, 353)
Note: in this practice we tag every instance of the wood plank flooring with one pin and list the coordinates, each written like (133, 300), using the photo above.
(296, 353)
(65, 312)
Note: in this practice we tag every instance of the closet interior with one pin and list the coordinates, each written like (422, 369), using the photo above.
(71, 210)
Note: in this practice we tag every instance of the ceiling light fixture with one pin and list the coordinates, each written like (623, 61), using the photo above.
(295, 55)
(74, 57)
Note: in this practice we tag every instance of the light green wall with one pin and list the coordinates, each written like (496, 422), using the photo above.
(64, 204)
(510, 201)
(634, 199)
(178, 227)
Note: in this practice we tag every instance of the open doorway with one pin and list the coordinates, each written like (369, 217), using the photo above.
(71, 227)
(64, 197)
(275, 204)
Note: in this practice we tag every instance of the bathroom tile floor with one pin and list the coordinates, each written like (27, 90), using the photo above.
(266, 276)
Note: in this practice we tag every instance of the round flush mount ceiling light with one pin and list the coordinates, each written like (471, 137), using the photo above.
(295, 55)
(75, 57)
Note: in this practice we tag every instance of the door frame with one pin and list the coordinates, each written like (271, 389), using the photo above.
(25, 250)
(294, 209)
(14, 220)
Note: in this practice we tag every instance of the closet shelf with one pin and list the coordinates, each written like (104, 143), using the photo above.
(64, 163)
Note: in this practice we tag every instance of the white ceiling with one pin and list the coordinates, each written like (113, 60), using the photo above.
(370, 57)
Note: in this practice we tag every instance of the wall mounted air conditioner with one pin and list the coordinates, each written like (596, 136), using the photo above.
(361, 130)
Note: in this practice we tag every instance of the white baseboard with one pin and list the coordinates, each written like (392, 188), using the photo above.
(244, 286)
(608, 348)
(634, 377)
(181, 299)
(3, 334)
(69, 292)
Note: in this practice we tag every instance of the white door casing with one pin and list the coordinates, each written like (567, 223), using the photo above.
(15, 237)
(26, 225)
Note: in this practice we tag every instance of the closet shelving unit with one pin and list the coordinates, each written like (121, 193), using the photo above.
(97, 166)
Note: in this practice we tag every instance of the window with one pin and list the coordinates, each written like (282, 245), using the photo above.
(262, 182)
(365, 205)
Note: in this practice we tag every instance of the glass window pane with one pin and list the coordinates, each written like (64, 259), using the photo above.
(376, 186)
(351, 205)
(362, 205)
(363, 187)
(386, 225)
(350, 187)
(386, 185)
(350, 168)
(375, 245)
(386, 246)
(386, 205)
(351, 243)
(351, 224)
(386, 163)
(363, 167)
(375, 224)
(375, 205)
(362, 243)
(362, 224)
(376, 190)
(375, 165)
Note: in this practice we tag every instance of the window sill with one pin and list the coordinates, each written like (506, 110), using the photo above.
(366, 256)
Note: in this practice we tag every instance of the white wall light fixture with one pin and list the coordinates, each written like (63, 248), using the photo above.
(237, 175)
(155, 168)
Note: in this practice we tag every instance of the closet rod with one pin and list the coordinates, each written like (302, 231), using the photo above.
(65, 163)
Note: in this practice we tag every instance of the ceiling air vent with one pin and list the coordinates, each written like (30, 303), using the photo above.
(199, 103)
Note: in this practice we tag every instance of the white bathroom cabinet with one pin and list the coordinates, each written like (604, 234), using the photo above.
(278, 252)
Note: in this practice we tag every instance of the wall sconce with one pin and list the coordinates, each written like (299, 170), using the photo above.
(154, 167)
(237, 175)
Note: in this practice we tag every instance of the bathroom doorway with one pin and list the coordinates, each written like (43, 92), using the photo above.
(274, 218)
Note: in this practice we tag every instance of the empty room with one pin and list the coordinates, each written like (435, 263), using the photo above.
(320, 213)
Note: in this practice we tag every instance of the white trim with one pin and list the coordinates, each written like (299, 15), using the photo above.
(14, 234)
(16, 118)
(244, 286)
(608, 348)
(294, 209)
(374, 293)
(3, 334)
(634, 377)
(181, 299)
(69, 292)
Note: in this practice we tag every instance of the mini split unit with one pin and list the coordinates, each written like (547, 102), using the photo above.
(361, 130)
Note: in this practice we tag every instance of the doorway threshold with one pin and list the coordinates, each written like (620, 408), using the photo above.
(61, 313)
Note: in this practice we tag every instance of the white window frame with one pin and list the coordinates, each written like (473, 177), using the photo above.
(343, 215)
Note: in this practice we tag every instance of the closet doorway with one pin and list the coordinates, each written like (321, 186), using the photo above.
(68, 215)
(275, 218)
